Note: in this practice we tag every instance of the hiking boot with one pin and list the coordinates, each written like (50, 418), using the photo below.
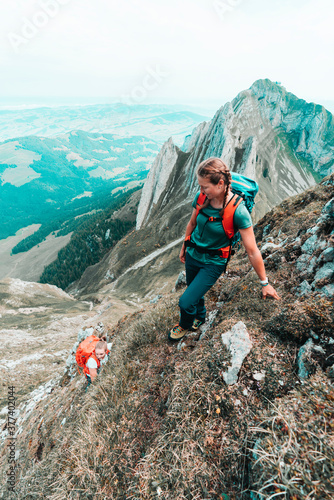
(197, 323)
(176, 333)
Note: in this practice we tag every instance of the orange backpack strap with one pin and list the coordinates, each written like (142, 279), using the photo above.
(200, 200)
(230, 208)
(229, 214)
(86, 369)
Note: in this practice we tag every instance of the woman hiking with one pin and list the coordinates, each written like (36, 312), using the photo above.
(205, 236)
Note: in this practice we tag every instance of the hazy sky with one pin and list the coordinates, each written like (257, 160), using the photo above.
(175, 51)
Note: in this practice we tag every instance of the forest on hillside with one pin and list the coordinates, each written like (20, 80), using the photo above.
(72, 216)
(93, 236)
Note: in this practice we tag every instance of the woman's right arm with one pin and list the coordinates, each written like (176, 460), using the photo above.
(92, 373)
(189, 229)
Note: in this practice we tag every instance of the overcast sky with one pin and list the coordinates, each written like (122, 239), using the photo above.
(175, 51)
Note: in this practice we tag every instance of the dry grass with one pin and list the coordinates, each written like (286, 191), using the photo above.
(293, 453)
(160, 423)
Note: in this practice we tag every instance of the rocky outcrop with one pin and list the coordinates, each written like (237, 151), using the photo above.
(310, 125)
(156, 181)
(316, 262)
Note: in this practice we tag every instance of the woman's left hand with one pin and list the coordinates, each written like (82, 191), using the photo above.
(269, 291)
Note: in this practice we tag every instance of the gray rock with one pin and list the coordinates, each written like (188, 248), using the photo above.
(266, 230)
(83, 334)
(303, 359)
(328, 290)
(155, 299)
(100, 328)
(310, 245)
(330, 372)
(321, 244)
(329, 209)
(327, 213)
(302, 262)
(181, 280)
(181, 345)
(109, 275)
(209, 320)
(71, 358)
(269, 246)
(297, 243)
(325, 272)
(239, 344)
(311, 265)
(328, 255)
(304, 288)
(312, 229)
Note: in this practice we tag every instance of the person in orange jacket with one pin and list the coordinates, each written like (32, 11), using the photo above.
(93, 365)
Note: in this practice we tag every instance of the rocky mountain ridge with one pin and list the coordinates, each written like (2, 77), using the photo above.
(265, 133)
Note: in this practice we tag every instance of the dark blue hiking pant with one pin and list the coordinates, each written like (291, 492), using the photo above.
(89, 381)
(200, 278)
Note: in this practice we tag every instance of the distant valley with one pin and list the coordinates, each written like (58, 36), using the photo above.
(41, 178)
(157, 121)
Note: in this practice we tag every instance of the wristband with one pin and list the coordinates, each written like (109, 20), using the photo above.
(264, 282)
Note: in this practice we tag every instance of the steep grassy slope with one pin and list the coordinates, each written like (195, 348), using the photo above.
(161, 423)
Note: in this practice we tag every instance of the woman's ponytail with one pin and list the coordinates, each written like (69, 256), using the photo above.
(227, 180)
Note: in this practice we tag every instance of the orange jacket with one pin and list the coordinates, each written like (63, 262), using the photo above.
(86, 369)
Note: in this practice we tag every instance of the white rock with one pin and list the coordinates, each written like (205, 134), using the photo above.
(209, 320)
(259, 375)
(269, 246)
(238, 342)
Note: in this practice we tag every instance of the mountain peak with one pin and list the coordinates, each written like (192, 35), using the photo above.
(266, 83)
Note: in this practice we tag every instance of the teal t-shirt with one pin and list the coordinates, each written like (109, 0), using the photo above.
(211, 234)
